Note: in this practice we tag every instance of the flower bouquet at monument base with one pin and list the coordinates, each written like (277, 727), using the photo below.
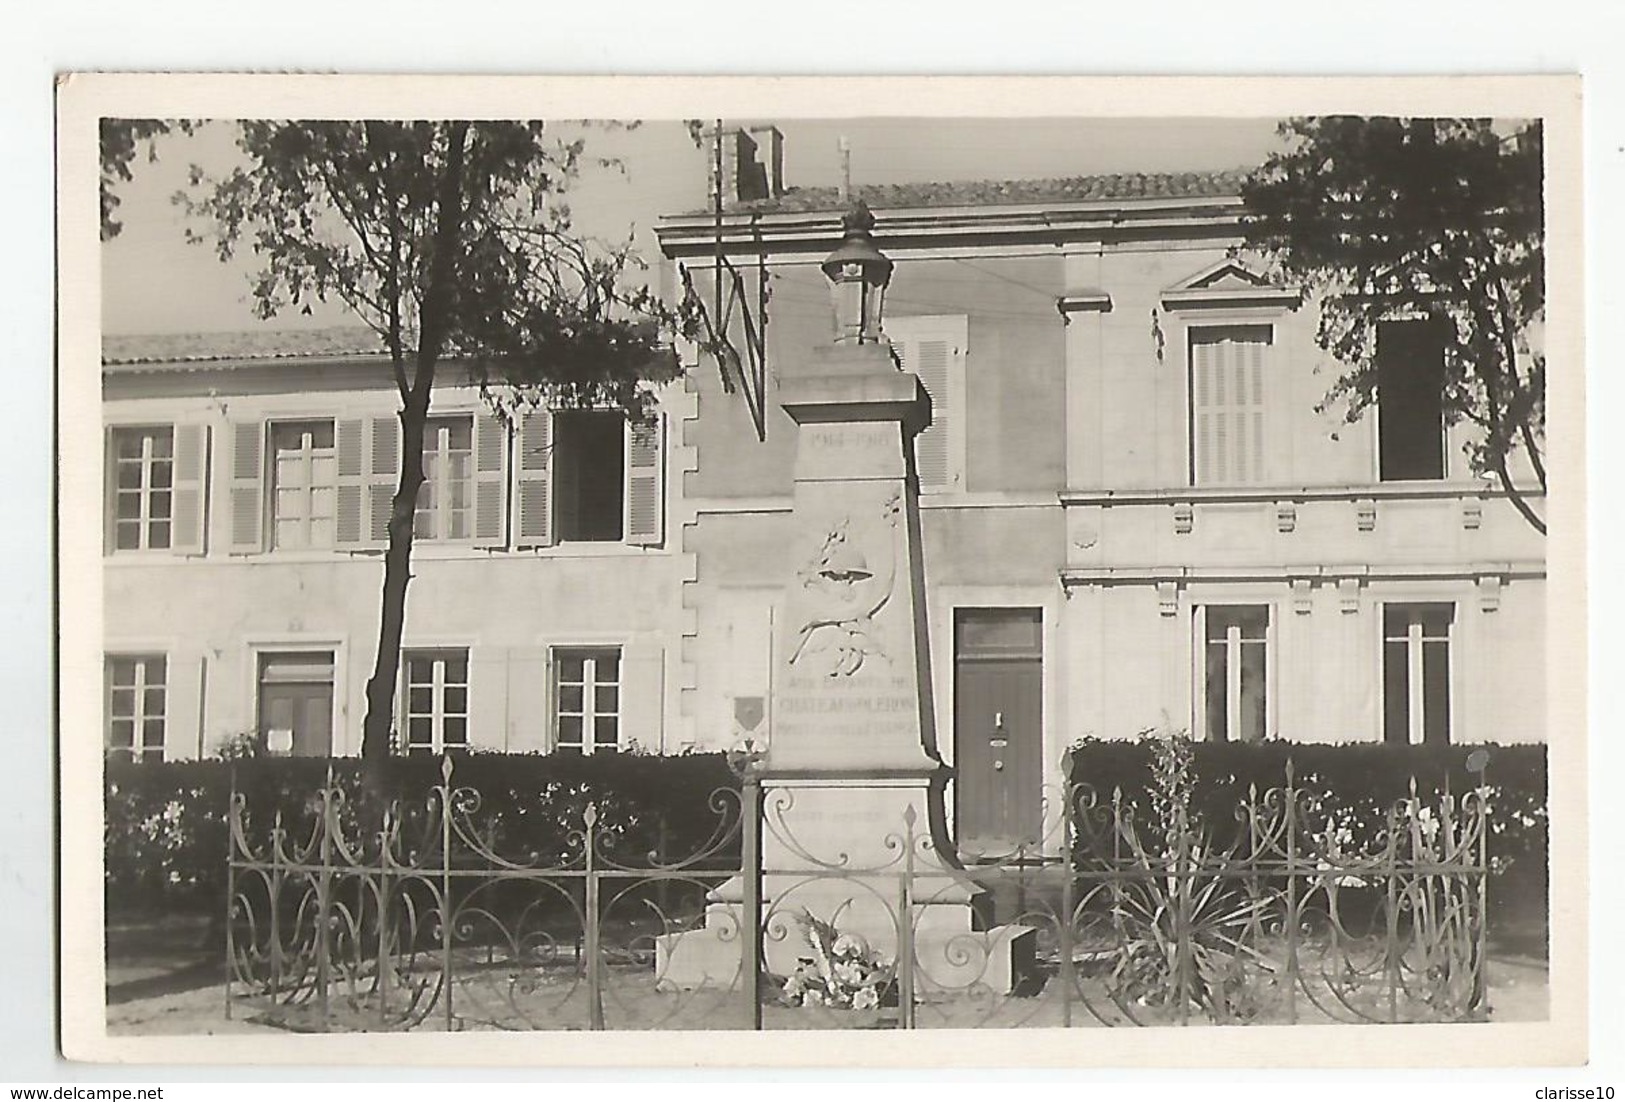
(839, 970)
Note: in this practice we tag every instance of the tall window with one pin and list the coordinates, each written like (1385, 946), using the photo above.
(445, 508)
(1228, 369)
(589, 453)
(304, 482)
(143, 481)
(1235, 672)
(1410, 384)
(1416, 672)
(136, 700)
(436, 704)
(588, 695)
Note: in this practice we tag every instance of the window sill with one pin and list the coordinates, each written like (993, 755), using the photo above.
(420, 553)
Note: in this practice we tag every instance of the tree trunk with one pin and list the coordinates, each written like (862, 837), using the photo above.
(438, 298)
(377, 728)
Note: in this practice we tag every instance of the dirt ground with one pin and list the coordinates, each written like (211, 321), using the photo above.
(167, 980)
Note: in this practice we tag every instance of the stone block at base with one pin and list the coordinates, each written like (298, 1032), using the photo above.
(946, 961)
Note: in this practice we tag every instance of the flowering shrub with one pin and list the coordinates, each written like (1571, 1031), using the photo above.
(841, 971)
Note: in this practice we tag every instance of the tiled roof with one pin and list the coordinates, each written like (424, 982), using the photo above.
(254, 344)
(979, 193)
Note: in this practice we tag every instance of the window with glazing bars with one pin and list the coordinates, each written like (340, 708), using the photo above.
(136, 700)
(304, 482)
(143, 480)
(587, 684)
(1416, 672)
(445, 509)
(1235, 672)
(435, 685)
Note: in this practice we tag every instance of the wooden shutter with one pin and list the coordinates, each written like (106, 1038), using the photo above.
(490, 453)
(109, 492)
(642, 695)
(1227, 404)
(1205, 380)
(350, 495)
(246, 487)
(528, 698)
(186, 529)
(645, 505)
(488, 697)
(383, 474)
(933, 349)
(532, 493)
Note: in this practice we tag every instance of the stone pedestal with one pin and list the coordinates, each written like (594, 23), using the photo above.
(852, 800)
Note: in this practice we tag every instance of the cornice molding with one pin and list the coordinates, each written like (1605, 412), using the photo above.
(685, 237)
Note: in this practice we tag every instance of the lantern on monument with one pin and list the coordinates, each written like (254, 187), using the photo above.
(858, 273)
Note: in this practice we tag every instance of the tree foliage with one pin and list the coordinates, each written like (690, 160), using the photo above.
(121, 139)
(1430, 218)
(449, 239)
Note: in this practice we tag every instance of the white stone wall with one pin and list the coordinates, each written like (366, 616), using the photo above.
(212, 614)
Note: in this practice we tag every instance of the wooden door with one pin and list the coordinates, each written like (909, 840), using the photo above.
(296, 703)
(998, 729)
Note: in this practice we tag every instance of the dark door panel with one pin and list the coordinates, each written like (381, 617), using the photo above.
(998, 729)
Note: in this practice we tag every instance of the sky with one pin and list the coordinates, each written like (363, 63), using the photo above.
(154, 282)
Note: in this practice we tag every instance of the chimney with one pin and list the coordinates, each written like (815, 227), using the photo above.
(744, 176)
(770, 147)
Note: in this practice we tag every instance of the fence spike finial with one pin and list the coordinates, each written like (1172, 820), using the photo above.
(445, 768)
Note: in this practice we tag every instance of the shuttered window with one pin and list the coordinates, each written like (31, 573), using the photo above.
(933, 348)
(1229, 366)
(589, 476)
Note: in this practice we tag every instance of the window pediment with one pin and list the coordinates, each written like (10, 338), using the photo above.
(1229, 284)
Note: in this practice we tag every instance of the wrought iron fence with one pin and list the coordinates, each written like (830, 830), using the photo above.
(1126, 915)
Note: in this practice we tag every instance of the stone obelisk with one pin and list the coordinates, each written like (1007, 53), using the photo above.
(852, 785)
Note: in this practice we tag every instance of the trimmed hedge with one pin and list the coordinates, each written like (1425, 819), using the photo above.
(165, 831)
(1353, 784)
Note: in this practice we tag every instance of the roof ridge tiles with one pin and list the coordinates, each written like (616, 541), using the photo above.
(1211, 183)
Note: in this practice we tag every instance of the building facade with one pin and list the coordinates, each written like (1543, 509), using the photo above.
(1133, 514)
(246, 504)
